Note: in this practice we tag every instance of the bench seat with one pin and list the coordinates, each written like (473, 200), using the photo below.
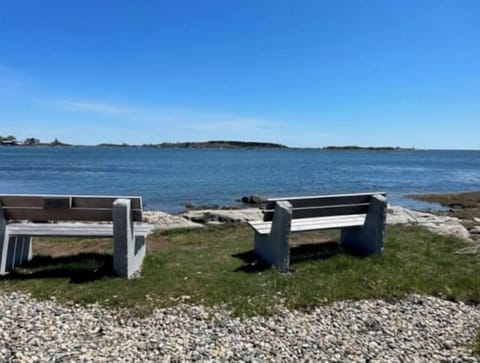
(71, 229)
(313, 224)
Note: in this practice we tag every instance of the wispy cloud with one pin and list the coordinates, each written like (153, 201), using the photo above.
(95, 107)
(169, 123)
(179, 118)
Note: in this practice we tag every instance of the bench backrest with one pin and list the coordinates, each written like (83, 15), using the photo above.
(322, 205)
(40, 208)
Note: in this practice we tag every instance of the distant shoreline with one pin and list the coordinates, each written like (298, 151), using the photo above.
(11, 141)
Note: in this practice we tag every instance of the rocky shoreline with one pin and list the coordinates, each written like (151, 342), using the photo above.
(442, 224)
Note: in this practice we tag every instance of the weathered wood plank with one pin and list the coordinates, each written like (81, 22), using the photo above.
(325, 219)
(57, 202)
(78, 201)
(327, 196)
(70, 229)
(314, 227)
(308, 224)
(323, 211)
(323, 200)
(41, 215)
(314, 222)
(103, 202)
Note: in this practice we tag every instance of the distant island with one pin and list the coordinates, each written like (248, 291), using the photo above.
(29, 141)
(373, 148)
(215, 144)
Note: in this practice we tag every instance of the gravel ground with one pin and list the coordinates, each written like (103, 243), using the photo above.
(414, 329)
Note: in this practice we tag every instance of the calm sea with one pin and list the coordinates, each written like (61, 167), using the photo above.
(169, 178)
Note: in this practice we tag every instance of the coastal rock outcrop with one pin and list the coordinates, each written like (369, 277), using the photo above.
(444, 225)
(440, 224)
(165, 221)
(214, 216)
(253, 199)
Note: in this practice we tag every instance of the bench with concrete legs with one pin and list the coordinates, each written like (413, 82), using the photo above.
(25, 216)
(361, 218)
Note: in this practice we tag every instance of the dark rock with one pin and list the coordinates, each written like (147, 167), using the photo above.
(253, 199)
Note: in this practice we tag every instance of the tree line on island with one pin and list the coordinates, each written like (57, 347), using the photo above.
(214, 144)
(29, 141)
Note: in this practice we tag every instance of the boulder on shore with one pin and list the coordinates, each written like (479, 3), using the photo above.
(253, 199)
(444, 225)
(165, 221)
(213, 216)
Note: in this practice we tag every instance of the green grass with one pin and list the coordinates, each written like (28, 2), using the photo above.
(215, 266)
(476, 344)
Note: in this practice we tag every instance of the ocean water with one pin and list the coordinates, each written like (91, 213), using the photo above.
(167, 179)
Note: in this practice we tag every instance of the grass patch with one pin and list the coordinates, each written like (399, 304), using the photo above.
(216, 266)
(476, 344)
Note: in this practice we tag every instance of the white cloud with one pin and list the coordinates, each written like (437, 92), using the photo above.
(181, 119)
(156, 124)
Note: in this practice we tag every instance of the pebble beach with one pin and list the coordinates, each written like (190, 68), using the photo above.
(416, 328)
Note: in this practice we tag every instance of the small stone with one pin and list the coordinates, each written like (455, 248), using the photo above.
(416, 328)
(475, 230)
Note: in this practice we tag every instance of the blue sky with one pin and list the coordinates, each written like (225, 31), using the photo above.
(302, 73)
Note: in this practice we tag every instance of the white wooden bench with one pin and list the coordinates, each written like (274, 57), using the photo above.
(25, 216)
(361, 218)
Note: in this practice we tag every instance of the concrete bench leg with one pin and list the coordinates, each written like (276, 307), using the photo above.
(27, 253)
(274, 249)
(128, 251)
(4, 243)
(23, 250)
(368, 239)
(15, 250)
(7, 249)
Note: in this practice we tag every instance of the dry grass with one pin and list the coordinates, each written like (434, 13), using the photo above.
(465, 206)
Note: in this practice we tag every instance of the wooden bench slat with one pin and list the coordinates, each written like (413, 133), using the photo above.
(333, 225)
(322, 211)
(76, 214)
(103, 202)
(307, 224)
(57, 202)
(71, 229)
(326, 218)
(77, 201)
(323, 200)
